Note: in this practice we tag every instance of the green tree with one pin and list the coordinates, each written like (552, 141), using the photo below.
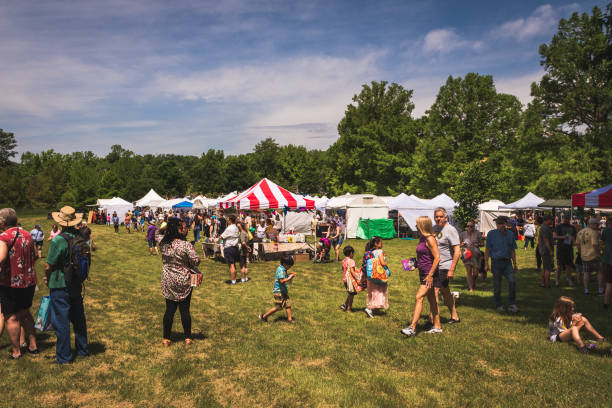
(377, 138)
(576, 98)
(469, 121)
(7, 148)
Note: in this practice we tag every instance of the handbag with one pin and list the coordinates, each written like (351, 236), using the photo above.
(43, 317)
(377, 272)
(195, 278)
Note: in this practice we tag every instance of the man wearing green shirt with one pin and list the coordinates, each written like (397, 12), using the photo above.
(66, 300)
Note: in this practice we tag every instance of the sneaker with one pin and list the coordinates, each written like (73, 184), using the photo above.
(233, 282)
(500, 309)
(513, 308)
(262, 318)
(408, 331)
(369, 312)
(434, 330)
(343, 307)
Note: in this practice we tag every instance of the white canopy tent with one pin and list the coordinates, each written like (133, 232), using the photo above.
(115, 204)
(488, 212)
(298, 221)
(203, 203)
(410, 208)
(151, 199)
(366, 207)
(529, 202)
(340, 202)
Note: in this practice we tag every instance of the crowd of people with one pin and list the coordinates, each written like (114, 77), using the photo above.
(439, 250)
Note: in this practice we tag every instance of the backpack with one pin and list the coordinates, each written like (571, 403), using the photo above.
(80, 259)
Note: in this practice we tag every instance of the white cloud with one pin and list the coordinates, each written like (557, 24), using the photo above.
(446, 40)
(42, 87)
(295, 100)
(519, 86)
(542, 21)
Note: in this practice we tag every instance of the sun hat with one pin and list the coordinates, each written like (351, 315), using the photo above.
(67, 216)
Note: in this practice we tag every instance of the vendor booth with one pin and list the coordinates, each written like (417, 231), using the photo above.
(363, 207)
(411, 208)
(488, 212)
(267, 195)
(600, 198)
(115, 204)
(529, 202)
(151, 199)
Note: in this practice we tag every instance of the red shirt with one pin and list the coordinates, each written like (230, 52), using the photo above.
(21, 273)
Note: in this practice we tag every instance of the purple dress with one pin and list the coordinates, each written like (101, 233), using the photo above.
(424, 259)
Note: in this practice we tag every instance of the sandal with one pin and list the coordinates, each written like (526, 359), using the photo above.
(35, 351)
(12, 357)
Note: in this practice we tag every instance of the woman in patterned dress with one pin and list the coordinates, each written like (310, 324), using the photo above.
(179, 259)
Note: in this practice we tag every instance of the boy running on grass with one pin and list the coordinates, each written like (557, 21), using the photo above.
(280, 291)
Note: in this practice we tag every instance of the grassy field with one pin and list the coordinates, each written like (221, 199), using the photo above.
(328, 359)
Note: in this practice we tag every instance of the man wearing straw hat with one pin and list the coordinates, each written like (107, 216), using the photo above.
(66, 299)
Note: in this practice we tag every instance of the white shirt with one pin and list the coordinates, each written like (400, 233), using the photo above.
(261, 232)
(529, 230)
(231, 235)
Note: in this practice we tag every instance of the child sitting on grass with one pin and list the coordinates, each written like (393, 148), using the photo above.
(280, 291)
(564, 324)
(351, 278)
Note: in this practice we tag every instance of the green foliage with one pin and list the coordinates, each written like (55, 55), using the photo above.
(7, 147)
(377, 138)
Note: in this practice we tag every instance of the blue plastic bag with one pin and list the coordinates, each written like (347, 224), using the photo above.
(43, 317)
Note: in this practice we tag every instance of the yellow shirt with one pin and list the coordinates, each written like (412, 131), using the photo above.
(588, 239)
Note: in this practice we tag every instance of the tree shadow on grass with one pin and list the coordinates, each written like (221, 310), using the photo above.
(535, 303)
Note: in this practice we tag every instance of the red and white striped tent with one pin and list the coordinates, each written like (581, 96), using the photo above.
(267, 195)
(600, 198)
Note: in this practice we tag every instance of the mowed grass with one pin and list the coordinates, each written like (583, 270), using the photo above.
(329, 358)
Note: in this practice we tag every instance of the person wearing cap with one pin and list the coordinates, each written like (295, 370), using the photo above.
(501, 248)
(66, 299)
(587, 244)
(17, 282)
(38, 237)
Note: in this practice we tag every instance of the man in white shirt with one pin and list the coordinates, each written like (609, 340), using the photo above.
(261, 230)
(231, 237)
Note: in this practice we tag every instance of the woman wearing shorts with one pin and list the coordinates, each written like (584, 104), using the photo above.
(428, 259)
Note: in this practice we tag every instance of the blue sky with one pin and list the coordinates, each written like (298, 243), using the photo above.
(186, 76)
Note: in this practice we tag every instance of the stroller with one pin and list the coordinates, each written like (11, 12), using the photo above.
(323, 248)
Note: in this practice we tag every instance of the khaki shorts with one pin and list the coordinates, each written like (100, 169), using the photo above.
(281, 301)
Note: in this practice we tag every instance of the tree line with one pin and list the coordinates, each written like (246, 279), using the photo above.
(474, 143)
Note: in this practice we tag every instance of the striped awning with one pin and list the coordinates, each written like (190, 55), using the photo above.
(266, 195)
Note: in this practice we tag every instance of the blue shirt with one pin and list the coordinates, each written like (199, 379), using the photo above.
(500, 244)
(281, 273)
